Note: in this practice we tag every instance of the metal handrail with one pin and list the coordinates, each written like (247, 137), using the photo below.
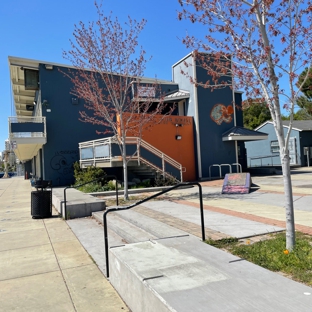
(155, 151)
(96, 142)
(145, 200)
(130, 140)
(215, 165)
(76, 186)
(143, 160)
(238, 165)
(224, 165)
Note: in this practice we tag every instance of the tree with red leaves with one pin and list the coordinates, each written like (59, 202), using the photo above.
(264, 45)
(108, 76)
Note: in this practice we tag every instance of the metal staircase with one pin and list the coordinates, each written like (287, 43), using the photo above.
(144, 160)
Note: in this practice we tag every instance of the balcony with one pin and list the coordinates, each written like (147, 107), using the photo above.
(106, 153)
(27, 136)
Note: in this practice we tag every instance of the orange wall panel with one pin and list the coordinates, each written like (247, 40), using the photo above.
(162, 135)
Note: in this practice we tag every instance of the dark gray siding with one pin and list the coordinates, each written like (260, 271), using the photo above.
(212, 149)
(305, 141)
(64, 129)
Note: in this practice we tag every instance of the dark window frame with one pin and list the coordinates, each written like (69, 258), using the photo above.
(275, 148)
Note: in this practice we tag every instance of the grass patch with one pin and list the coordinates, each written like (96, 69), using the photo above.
(271, 254)
(224, 243)
(112, 201)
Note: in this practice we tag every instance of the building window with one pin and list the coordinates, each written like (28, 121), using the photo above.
(275, 147)
(31, 78)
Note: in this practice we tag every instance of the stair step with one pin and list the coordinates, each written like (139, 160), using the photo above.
(150, 225)
(90, 234)
(129, 232)
(143, 172)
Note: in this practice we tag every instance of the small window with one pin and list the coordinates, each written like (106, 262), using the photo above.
(275, 147)
(31, 78)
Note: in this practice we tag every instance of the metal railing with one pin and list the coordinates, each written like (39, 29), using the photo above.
(95, 180)
(108, 158)
(261, 158)
(225, 165)
(93, 146)
(27, 120)
(145, 200)
(164, 158)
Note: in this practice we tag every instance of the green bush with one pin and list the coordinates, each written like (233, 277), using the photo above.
(146, 183)
(89, 174)
(168, 181)
(111, 185)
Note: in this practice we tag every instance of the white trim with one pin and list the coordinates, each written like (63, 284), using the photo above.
(34, 64)
(262, 125)
(197, 123)
(43, 164)
(182, 59)
(271, 122)
(245, 138)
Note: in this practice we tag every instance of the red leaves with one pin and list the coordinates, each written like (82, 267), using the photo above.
(270, 41)
(108, 65)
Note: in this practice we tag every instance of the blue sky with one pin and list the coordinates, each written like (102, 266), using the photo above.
(41, 30)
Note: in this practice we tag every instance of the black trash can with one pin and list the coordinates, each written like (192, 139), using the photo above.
(41, 200)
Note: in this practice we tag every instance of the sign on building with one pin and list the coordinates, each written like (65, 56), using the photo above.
(149, 92)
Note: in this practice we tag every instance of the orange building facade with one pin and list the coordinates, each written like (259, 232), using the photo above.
(174, 136)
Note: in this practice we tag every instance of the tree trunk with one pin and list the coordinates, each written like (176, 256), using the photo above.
(289, 204)
(125, 169)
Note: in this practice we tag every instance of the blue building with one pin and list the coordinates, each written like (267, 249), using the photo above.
(266, 153)
(46, 130)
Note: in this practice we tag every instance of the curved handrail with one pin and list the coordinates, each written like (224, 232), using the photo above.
(95, 180)
(238, 165)
(222, 165)
(145, 200)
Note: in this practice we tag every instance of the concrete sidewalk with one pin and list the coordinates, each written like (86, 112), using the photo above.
(265, 202)
(43, 265)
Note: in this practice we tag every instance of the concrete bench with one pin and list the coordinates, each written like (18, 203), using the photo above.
(78, 204)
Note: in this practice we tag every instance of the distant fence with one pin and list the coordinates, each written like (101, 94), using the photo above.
(260, 161)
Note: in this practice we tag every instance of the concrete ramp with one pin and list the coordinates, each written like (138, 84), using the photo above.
(183, 274)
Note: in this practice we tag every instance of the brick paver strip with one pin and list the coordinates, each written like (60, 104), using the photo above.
(220, 183)
(247, 216)
(183, 225)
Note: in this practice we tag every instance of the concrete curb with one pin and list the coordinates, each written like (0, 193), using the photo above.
(137, 191)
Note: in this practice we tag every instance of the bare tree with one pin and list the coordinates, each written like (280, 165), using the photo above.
(260, 44)
(109, 67)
